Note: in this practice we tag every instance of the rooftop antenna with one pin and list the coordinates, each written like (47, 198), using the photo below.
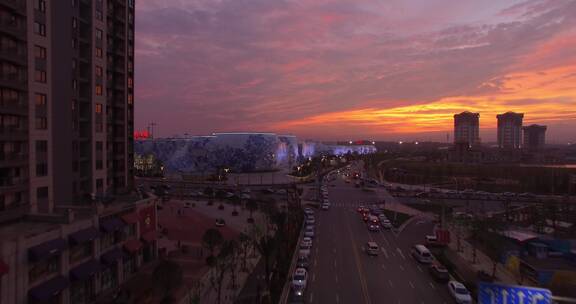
(152, 125)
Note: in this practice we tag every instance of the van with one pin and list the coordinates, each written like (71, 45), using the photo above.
(372, 248)
(421, 254)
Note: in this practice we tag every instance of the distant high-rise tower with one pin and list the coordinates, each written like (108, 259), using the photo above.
(510, 130)
(467, 128)
(534, 137)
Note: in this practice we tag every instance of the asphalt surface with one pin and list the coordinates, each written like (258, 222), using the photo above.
(340, 270)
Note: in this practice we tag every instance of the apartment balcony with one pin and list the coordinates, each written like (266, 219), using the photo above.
(8, 27)
(13, 133)
(13, 55)
(13, 81)
(9, 212)
(14, 108)
(13, 183)
(14, 159)
(18, 6)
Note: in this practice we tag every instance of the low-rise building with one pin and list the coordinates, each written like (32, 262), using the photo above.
(78, 254)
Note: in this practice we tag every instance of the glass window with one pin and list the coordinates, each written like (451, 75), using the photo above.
(40, 28)
(74, 23)
(40, 99)
(99, 71)
(99, 90)
(41, 123)
(99, 52)
(98, 108)
(80, 252)
(99, 34)
(41, 146)
(130, 99)
(41, 169)
(41, 269)
(40, 76)
(40, 5)
(39, 52)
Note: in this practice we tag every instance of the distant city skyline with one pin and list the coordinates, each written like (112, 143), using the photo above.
(336, 69)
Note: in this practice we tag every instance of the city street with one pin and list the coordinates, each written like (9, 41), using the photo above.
(341, 272)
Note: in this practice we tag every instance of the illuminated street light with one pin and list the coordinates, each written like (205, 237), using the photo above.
(400, 142)
(416, 143)
(350, 142)
(373, 142)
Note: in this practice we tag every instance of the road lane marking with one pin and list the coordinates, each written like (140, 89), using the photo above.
(401, 267)
(419, 268)
(385, 252)
(336, 277)
(361, 275)
(390, 283)
(432, 285)
(337, 298)
(315, 262)
(311, 296)
(383, 266)
(411, 285)
(313, 277)
(400, 252)
(334, 264)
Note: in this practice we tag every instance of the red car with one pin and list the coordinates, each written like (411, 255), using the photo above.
(361, 209)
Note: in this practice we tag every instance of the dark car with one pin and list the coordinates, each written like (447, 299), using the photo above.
(303, 262)
(439, 272)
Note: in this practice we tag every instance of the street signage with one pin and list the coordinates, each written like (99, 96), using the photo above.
(490, 293)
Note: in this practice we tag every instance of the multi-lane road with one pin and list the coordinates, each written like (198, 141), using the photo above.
(340, 270)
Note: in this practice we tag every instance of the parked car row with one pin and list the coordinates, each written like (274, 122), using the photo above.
(300, 276)
(457, 290)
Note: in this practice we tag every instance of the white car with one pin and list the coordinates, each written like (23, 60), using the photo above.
(309, 232)
(306, 241)
(308, 211)
(459, 292)
(299, 281)
(310, 220)
(386, 224)
(305, 250)
(325, 206)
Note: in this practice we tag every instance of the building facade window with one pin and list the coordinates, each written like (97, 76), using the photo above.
(41, 123)
(81, 251)
(99, 53)
(40, 29)
(130, 99)
(40, 99)
(98, 108)
(41, 169)
(41, 269)
(99, 71)
(42, 193)
(39, 52)
(40, 5)
(99, 34)
(99, 89)
(41, 146)
(40, 76)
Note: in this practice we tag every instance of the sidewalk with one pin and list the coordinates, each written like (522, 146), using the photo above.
(208, 294)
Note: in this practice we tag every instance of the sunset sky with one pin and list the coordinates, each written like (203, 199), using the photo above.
(350, 69)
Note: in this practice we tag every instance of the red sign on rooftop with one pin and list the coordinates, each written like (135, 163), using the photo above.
(141, 134)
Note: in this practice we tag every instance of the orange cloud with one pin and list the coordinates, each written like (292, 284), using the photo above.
(544, 96)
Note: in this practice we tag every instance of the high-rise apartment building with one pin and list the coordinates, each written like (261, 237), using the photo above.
(71, 227)
(467, 128)
(510, 130)
(534, 137)
(67, 79)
